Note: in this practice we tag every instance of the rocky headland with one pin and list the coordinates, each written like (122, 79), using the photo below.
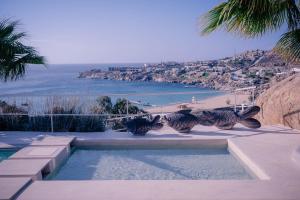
(251, 68)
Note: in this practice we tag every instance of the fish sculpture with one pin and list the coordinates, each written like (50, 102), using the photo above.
(140, 126)
(182, 121)
(226, 119)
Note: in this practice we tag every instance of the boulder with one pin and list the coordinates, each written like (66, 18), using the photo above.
(280, 104)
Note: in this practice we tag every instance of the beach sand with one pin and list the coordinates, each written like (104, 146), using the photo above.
(214, 102)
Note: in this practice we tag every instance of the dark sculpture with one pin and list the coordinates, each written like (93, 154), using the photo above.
(182, 121)
(140, 126)
(226, 119)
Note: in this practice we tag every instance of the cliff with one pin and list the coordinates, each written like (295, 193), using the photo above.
(280, 104)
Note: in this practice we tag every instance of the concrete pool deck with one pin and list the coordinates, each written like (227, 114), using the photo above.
(15, 138)
(271, 153)
(56, 154)
(11, 187)
(32, 168)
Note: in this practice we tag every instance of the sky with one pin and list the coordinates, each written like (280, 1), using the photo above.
(124, 31)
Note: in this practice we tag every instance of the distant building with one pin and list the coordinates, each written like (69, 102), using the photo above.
(296, 70)
(281, 73)
(219, 68)
(124, 69)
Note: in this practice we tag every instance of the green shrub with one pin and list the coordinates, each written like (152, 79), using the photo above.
(64, 123)
(68, 116)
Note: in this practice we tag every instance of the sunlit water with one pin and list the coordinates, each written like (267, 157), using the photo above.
(166, 164)
(62, 80)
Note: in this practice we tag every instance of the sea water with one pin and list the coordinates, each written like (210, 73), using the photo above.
(56, 80)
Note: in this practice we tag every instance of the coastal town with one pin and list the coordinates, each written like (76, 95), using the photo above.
(252, 68)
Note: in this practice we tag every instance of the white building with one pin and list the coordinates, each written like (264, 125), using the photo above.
(296, 70)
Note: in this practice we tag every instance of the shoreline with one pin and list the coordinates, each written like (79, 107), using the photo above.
(251, 68)
(209, 103)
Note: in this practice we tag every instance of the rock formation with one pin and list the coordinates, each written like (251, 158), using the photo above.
(280, 104)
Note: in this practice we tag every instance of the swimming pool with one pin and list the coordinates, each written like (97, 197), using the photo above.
(151, 164)
(5, 153)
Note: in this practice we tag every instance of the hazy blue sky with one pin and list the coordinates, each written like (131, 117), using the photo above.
(103, 31)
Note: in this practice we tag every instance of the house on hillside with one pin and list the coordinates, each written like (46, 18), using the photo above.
(296, 69)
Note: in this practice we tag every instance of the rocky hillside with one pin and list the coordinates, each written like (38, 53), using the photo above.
(250, 68)
(280, 104)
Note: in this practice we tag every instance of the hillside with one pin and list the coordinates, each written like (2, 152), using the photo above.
(251, 68)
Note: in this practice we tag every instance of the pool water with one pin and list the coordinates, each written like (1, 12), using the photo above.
(163, 164)
(4, 154)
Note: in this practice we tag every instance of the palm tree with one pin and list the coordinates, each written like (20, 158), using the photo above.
(253, 18)
(13, 54)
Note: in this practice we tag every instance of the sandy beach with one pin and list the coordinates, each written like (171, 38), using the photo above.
(214, 102)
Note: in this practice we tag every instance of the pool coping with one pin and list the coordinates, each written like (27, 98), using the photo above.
(132, 143)
(159, 190)
(278, 174)
(12, 187)
(56, 154)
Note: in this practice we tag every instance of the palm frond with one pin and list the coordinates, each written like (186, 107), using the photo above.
(291, 11)
(289, 46)
(13, 54)
(251, 18)
(7, 28)
(213, 19)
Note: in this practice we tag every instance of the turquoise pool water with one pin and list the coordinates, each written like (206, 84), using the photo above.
(4, 154)
(163, 164)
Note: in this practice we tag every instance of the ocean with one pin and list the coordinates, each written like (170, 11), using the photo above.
(61, 80)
